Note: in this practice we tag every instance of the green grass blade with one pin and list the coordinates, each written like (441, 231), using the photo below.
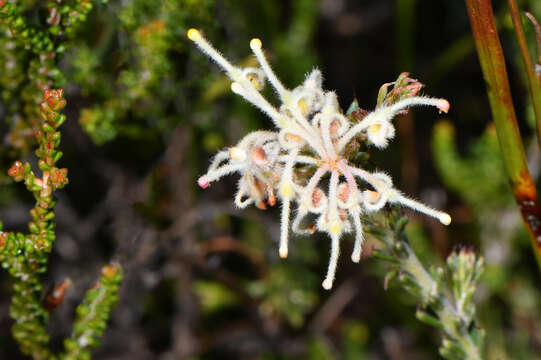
(533, 81)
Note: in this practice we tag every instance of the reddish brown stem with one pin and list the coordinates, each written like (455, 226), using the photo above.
(492, 62)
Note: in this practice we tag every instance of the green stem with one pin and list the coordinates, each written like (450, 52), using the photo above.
(93, 314)
(447, 315)
(537, 29)
(437, 299)
(533, 82)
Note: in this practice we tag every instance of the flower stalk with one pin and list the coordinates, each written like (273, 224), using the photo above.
(445, 294)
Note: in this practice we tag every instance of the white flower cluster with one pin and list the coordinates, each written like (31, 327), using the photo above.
(311, 131)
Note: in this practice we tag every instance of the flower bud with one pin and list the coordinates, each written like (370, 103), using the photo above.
(258, 156)
(237, 154)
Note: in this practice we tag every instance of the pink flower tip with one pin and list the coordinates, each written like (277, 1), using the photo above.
(444, 105)
(203, 182)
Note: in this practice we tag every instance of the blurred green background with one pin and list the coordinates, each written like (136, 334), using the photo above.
(147, 111)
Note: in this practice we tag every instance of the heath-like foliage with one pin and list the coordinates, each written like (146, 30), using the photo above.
(33, 37)
(444, 293)
(25, 256)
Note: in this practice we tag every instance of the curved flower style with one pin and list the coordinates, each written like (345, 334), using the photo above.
(311, 131)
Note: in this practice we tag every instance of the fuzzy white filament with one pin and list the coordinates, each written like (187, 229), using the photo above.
(255, 45)
(333, 261)
(194, 35)
(359, 237)
(286, 192)
(386, 114)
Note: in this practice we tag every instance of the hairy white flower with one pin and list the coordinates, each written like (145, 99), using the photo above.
(310, 131)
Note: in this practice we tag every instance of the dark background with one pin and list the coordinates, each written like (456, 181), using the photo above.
(203, 280)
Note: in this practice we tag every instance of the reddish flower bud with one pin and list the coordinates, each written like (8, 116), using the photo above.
(16, 171)
(54, 98)
(258, 155)
(109, 271)
(203, 182)
(60, 176)
(317, 195)
(55, 296)
(343, 192)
